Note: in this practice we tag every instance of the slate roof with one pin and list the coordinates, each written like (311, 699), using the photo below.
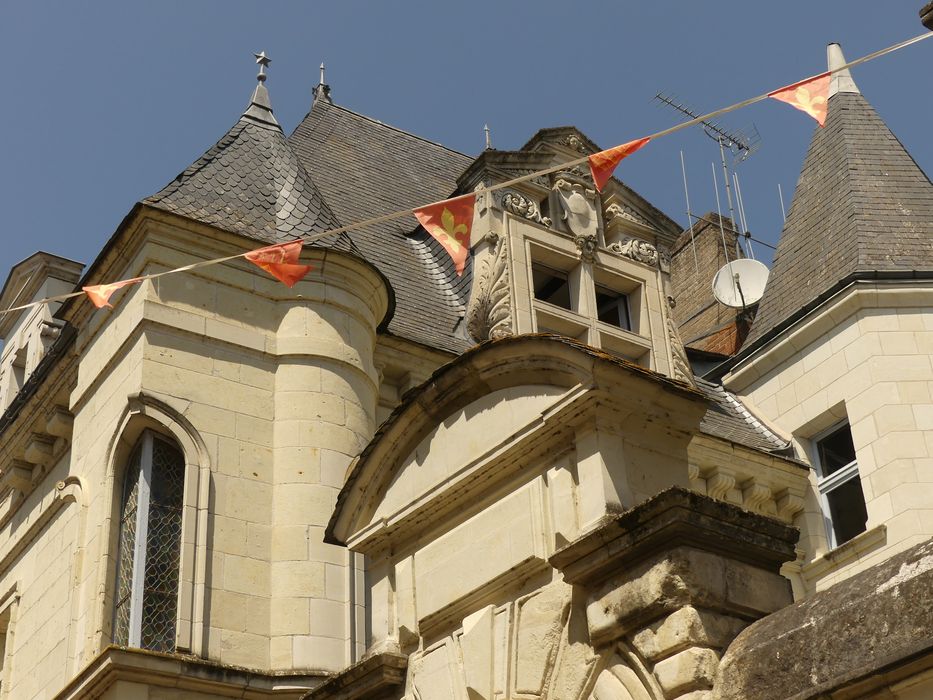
(728, 419)
(862, 205)
(251, 183)
(365, 168)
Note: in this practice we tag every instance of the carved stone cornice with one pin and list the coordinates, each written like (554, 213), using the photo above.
(618, 213)
(489, 314)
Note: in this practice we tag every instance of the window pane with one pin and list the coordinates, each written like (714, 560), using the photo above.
(836, 450)
(127, 544)
(551, 286)
(847, 510)
(612, 308)
(163, 547)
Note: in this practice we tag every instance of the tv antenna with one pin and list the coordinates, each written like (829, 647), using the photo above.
(740, 143)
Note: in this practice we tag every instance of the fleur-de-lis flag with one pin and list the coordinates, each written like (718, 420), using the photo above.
(604, 163)
(280, 261)
(810, 96)
(100, 294)
(450, 223)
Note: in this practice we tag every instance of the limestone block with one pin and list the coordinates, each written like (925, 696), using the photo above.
(297, 578)
(685, 628)
(691, 669)
(329, 618)
(245, 575)
(433, 674)
(289, 615)
(478, 653)
(324, 653)
(405, 609)
(539, 619)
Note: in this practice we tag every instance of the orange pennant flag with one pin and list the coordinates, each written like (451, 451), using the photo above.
(450, 223)
(280, 261)
(604, 163)
(100, 294)
(810, 96)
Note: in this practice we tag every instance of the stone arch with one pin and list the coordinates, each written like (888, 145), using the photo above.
(146, 412)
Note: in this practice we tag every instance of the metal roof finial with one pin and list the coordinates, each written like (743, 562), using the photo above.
(322, 74)
(263, 62)
(488, 137)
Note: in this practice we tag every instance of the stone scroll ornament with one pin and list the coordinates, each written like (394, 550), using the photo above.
(604, 163)
(450, 222)
(489, 316)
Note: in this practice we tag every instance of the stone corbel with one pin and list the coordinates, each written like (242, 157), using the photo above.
(59, 423)
(719, 483)
(788, 505)
(40, 450)
(755, 496)
(17, 476)
(586, 247)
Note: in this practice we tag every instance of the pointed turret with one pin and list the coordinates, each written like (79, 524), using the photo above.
(251, 181)
(862, 207)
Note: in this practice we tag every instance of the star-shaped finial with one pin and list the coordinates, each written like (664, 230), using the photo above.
(263, 61)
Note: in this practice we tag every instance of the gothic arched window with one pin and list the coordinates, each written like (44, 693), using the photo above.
(146, 598)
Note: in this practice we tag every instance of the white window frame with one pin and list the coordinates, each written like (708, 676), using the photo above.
(827, 484)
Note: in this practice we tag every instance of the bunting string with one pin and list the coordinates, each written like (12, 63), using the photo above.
(281, 260)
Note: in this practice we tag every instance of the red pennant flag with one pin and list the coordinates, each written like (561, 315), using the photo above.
(810, 96)
(450, 223)
(280, 261)
(100, 294)
(604, 163)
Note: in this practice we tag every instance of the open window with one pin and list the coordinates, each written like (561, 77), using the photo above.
(146, 601)
(839, 485)
(551, 286)
(612, 308)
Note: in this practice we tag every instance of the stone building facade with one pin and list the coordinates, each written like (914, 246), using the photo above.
(391, 481)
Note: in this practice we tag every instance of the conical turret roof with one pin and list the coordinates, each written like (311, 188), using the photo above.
(862, 205)
(250, 182)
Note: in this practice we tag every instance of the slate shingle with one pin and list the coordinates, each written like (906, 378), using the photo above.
(365, 168)
(862, 204)
(252, 183)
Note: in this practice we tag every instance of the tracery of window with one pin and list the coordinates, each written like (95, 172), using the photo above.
(146, 598)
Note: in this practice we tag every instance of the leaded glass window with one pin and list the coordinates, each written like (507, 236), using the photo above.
(149, 545)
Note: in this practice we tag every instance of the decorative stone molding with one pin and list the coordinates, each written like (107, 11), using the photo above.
(520, 205)
(719, 483)
(489, 315)
(617, 213)
(578, 207)
(755, 496)
(653, 577)
(586, 247)
(788, 505)
(636, 249)
(576, 143)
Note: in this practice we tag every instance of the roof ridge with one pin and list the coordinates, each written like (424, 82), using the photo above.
(390, 126)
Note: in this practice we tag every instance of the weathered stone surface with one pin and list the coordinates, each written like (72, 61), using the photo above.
(691, 669)
(866, 625)
(374, 678)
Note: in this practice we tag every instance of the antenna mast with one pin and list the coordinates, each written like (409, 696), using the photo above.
(741, 145)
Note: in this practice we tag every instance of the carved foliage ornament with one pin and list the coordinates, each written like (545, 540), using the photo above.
(636, 249)
(489, 315)
(522, 206)
(576, 143)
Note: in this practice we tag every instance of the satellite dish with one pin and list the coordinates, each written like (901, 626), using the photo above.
(740, 283)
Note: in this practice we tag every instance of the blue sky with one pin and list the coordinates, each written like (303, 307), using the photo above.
(105, 102)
